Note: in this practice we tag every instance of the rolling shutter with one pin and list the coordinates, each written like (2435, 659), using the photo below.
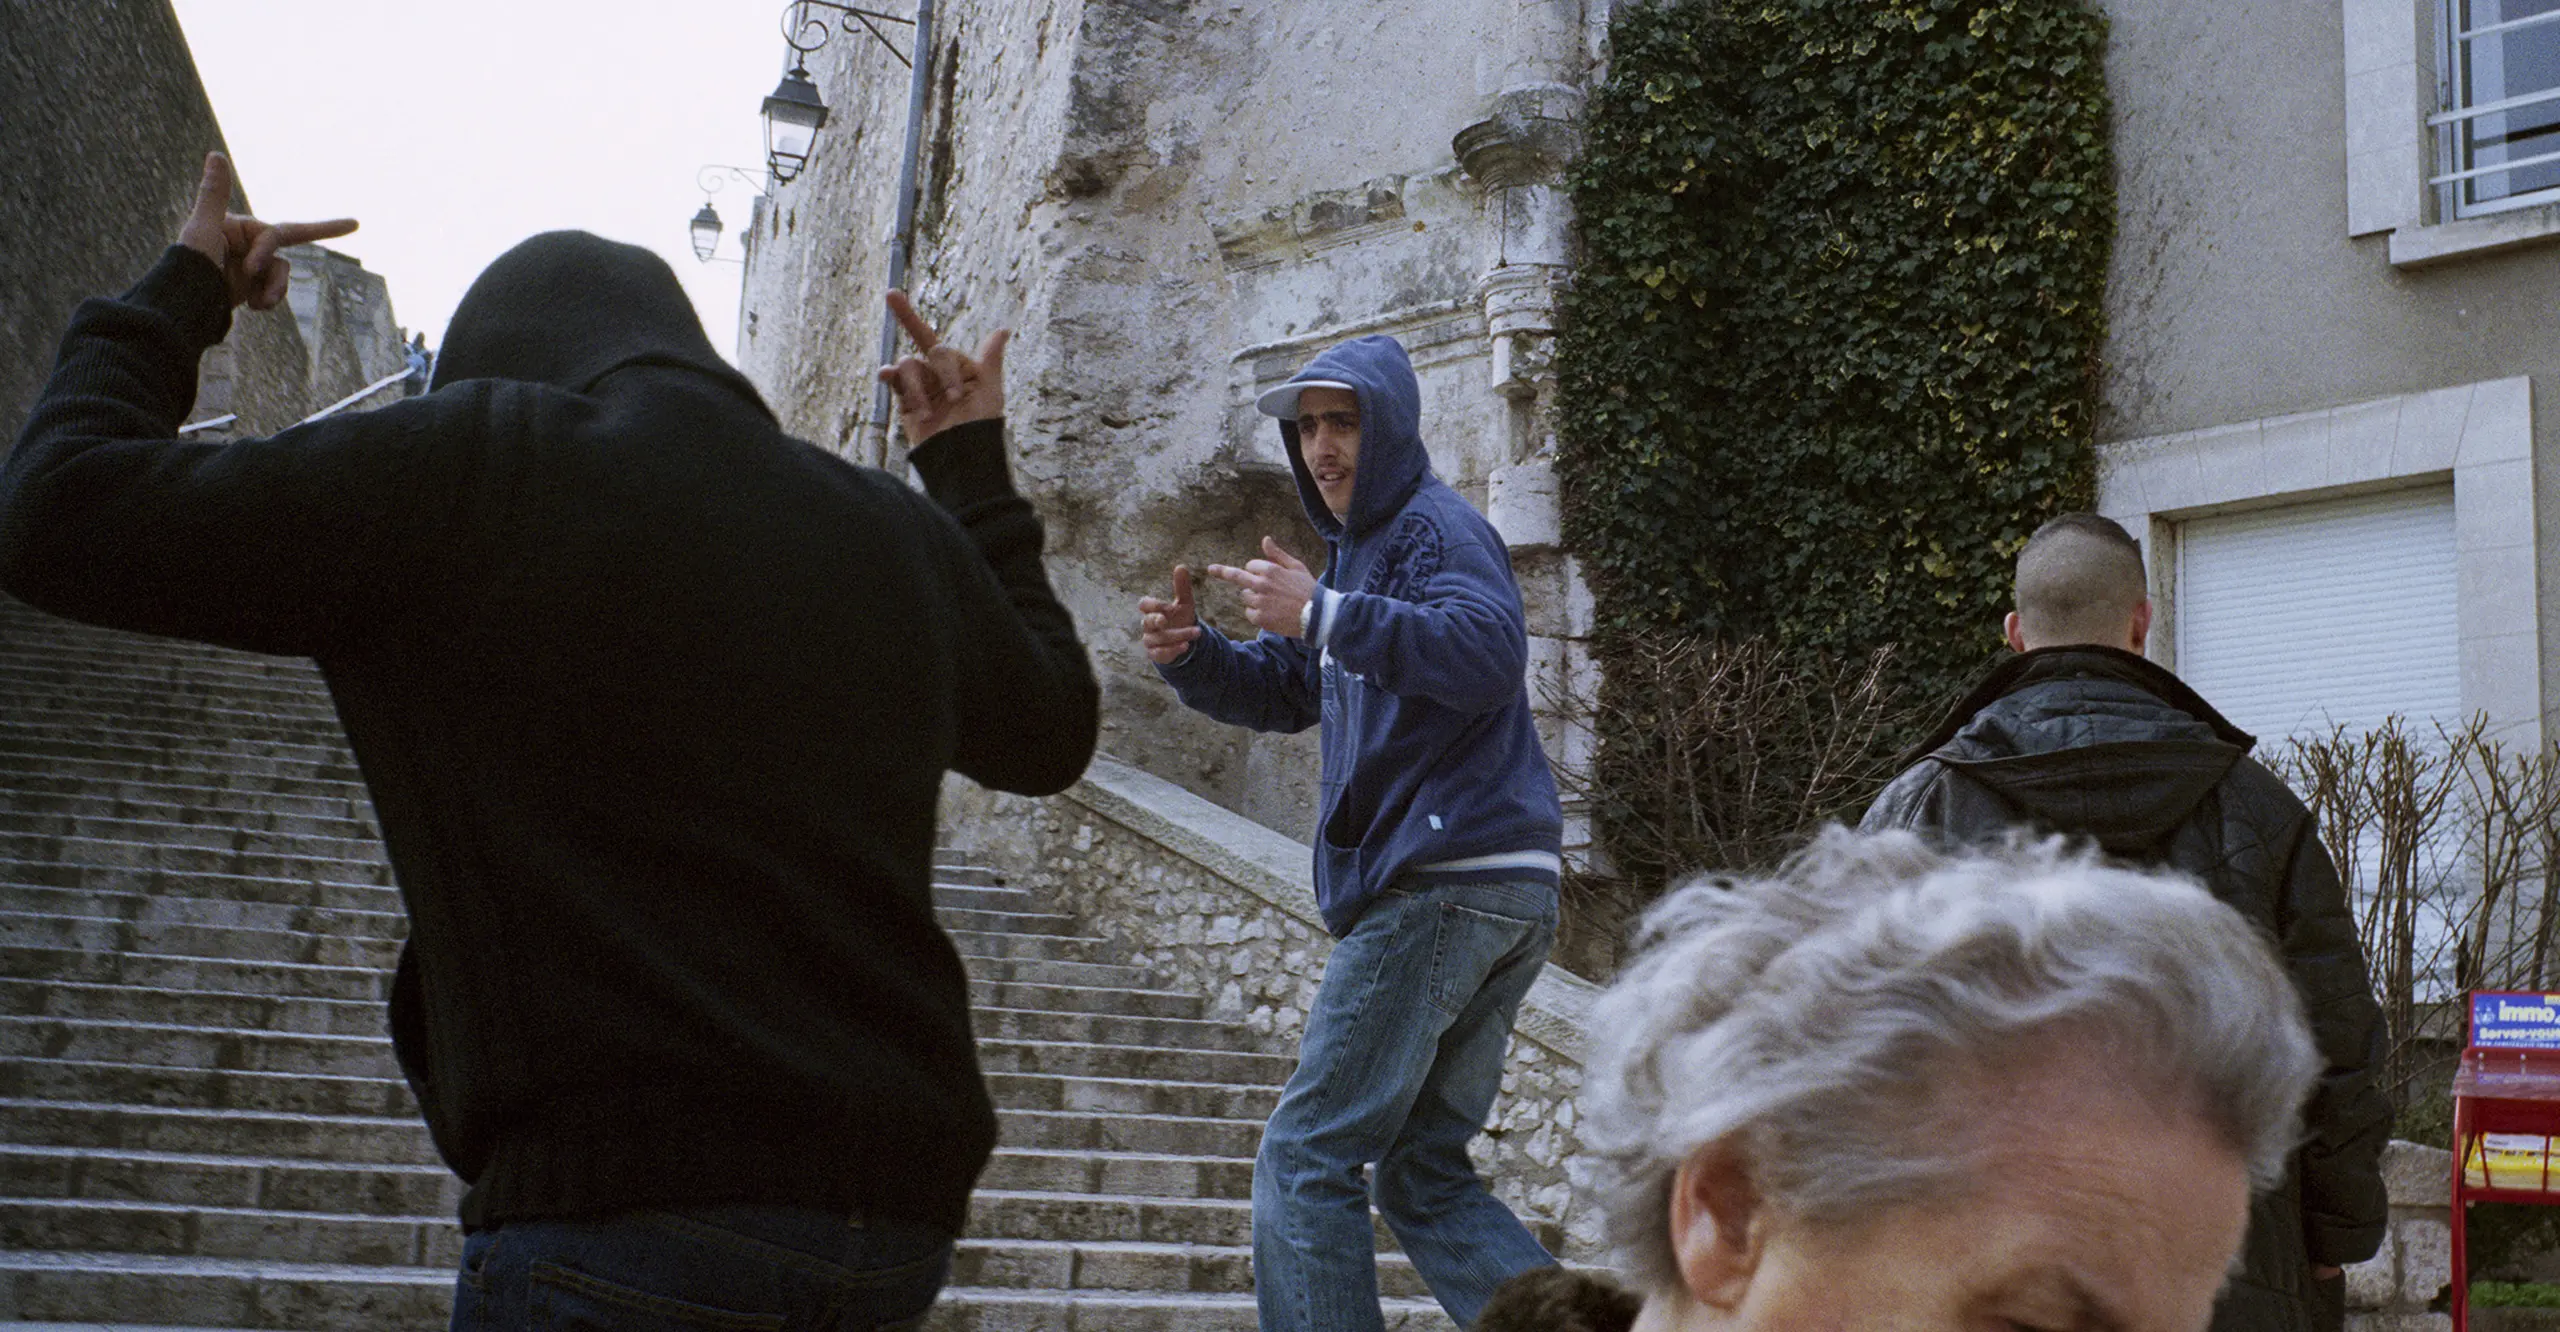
(2290, 620)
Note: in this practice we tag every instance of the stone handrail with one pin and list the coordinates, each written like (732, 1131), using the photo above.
(1275, 868)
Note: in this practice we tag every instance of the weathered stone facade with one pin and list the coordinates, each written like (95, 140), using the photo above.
(105, 130)
(1214, 903)
(1176, 205)
(105, 134)
(344, 313)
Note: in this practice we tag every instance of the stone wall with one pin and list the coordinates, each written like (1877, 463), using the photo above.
(1215, 904)
(105, 129)
(2393, 1290)
(1176, 205)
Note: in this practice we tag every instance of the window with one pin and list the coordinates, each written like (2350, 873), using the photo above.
(2498, 124)
(2295, 619)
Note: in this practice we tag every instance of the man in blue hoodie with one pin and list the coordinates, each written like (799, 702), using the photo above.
(1436, 851)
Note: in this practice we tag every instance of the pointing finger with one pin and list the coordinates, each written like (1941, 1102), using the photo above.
(213, 193)
(1181, 585)
(925, 338)
(303, 233)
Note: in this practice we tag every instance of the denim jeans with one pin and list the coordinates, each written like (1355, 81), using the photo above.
(1402, 1057)
(733, 1268)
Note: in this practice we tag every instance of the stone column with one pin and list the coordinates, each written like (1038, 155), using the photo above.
(1519, 153)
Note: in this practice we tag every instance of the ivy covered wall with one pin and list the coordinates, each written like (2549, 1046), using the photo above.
(1832, 351)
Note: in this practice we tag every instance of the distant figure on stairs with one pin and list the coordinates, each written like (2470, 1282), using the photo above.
(1437, 845)
(654, 702)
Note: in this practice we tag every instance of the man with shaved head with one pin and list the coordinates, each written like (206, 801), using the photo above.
(2079, 734)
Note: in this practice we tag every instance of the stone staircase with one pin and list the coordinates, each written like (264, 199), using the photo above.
(201, 1124)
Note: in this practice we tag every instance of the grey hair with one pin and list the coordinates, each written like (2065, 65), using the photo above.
(1824, 1021)
(2079, 578)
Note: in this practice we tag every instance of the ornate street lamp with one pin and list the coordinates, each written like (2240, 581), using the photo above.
(705, 228)
(792, 118)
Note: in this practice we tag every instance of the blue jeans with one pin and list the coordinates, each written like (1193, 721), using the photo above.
(1400, 1064)
(699, 1269)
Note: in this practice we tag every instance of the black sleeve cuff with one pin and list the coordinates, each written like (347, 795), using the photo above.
(187, 288)
(964, 465)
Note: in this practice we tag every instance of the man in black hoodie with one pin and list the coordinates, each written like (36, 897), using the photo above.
(2079, 734)
(654, 702)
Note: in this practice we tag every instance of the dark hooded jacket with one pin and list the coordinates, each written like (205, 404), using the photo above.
(1415, 662)
(654, 702)
(2096, 742)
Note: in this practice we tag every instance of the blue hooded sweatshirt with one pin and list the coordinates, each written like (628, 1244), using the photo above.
(1415, 660)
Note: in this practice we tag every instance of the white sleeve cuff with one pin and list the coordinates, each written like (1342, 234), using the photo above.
(1315, 623)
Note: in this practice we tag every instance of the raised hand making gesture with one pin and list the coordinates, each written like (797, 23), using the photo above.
(939, 388)
(1276, 589)
(243, 247)
(1166, 628)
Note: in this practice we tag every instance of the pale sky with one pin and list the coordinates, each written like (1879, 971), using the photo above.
(454, 128)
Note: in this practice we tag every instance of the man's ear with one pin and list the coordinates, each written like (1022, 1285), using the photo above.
(2009, 630)
(2141, 625)
(1719, 1224)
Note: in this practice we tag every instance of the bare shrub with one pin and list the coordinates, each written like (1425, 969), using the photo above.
(1728, 755)
(2446, 843)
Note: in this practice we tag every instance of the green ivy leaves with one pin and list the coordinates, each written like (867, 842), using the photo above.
(1831, 354)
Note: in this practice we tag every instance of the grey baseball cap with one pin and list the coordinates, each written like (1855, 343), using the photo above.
(1282, 402)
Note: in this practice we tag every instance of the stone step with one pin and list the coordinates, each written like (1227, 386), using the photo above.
(1131, 1096)
(224, 974)
(77, 1041)
(115, 767)
(27, 733)
(25, 670)
(334, 895)
(256, 1091)
(20, 829)
(1163, 1033)
(973, 919)
(378, 1139)
(132, 1004)
(1171, 1065)
(1004, 1214)
(979, 897)
(1039, 971)
(994, 1309)
(1034, 947)
(962, 872)
(178, 939)
(105, 853)
(195, 1179)
(1085, 1130)
(194, 715)
(178, 909)
(230, 1293)
(61, 789)
(1136, 1265)
(1158, 1174)
(49, 639)
(85, 814)
(1134, 1001)
(123, 1226)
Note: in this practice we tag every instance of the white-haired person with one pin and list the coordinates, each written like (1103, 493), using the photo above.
(1898, 1089)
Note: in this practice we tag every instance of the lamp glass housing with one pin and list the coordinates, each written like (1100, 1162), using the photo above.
(705, 228)
(792, 117)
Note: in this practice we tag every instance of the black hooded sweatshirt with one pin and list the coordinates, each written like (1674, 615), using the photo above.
(654, 702)
(2099, 743)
